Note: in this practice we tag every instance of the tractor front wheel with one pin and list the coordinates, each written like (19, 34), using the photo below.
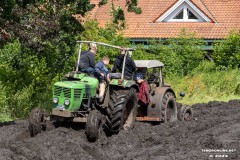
(36, 122)
(185, 113)
(92, 125)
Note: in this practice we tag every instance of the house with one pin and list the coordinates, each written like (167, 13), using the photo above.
(163, 19)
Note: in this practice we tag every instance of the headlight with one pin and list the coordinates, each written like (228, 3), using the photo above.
(55, 100)
(67, 102)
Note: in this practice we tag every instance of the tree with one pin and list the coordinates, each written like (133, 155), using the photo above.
(43, 48)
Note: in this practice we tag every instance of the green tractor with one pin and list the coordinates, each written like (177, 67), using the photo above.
(76, 100)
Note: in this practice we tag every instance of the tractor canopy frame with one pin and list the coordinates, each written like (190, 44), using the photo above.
(152, 64)
(126, 52)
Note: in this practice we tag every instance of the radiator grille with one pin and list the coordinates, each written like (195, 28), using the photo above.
(57, 90)
(67, 92)
(77, 93)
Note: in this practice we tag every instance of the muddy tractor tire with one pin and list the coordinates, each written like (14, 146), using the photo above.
(185, 113)
(36, 122)
(122, 110)
(169, 107)
(92, 125)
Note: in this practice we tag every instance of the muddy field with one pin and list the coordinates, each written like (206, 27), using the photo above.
(214, 132)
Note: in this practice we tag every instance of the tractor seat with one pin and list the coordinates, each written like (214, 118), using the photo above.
(115, 75)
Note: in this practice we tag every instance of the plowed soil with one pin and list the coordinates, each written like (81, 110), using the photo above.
(213, 134)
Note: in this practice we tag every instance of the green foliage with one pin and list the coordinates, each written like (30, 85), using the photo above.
(103, 2)
(5, 114)
(118, 13)
(203, 87)
(118, 17)
(227, 52)
(187, 51)
(5, 117)
(37, 21)
(22, 101)
(180, 55)
(204, 67)
(8, 57)
(132, 6)
(26, 77)
(6, 7)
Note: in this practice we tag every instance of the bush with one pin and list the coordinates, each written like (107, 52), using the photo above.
(203, 87)
(204, 67)
(227, 52)
(180, 55)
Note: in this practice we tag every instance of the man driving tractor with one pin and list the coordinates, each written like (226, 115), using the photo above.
(87, 65)
(87, 60)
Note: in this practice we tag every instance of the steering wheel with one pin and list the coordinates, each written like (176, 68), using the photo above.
(152, 78)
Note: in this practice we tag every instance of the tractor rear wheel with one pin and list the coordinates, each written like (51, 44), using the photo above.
(122, 110)
(36, 122)
(169, 107)
(185, 113)
(92, 125)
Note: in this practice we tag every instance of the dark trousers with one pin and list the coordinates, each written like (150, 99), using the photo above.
(89, 70)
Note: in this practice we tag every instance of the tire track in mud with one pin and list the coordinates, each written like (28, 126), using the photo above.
(216, 126)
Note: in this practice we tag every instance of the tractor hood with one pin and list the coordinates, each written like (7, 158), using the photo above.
(86, 83)
(71, 84)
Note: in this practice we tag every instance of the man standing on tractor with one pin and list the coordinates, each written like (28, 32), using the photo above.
(143, 94)
(87, 60)
(130, 66)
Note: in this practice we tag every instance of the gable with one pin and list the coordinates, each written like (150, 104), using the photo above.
(183, 11)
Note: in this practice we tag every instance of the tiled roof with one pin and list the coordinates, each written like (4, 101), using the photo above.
(225, 16)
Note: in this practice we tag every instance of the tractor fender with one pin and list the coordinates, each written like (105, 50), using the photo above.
(155, 106)
(162, 90)
(129, 84)
(132, 84)
(125, 84)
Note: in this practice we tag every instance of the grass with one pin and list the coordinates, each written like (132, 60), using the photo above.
(5, 117)
(207, 86)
